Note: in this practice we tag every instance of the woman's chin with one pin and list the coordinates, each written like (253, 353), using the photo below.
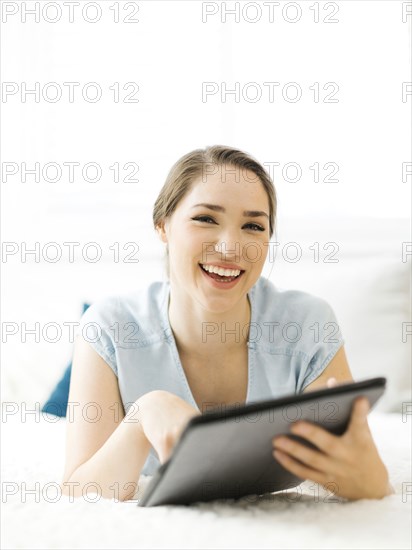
(216, 304)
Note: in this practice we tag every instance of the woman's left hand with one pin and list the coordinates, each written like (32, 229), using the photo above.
(350, 463)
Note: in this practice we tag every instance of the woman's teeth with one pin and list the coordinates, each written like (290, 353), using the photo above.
(220, 271)
(221, 275)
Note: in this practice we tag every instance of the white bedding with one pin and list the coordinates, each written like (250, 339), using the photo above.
(33, 453)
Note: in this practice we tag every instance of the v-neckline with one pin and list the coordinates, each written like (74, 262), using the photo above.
(170, 336)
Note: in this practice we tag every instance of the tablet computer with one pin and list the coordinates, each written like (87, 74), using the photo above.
(228, 454)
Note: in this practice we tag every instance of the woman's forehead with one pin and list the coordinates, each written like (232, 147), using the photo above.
(226, 173)
(225, 186)
(232, 202)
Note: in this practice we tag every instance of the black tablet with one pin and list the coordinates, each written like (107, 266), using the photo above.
(229, 454)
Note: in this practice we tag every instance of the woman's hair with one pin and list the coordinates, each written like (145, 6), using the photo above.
(199, 163)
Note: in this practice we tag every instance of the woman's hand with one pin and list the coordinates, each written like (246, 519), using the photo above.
(164, 416)
(350, 462)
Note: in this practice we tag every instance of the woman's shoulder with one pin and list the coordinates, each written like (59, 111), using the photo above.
(294, 322)
(293, 319)
(142, 306)
(272, 299)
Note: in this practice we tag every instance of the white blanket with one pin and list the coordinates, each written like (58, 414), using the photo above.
(308, 517)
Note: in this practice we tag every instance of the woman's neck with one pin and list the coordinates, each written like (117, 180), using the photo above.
(200, 333)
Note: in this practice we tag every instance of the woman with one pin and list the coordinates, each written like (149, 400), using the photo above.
(168, 352)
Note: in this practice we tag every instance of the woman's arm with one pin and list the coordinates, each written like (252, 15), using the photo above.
(110, 448)
(102, 445)
(338, 369)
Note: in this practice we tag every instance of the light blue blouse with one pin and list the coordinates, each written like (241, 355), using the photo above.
(293, 336)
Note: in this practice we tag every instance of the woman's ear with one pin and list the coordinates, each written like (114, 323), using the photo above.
(161, 231)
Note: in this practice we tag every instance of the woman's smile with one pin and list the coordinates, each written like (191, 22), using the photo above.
(221, 281)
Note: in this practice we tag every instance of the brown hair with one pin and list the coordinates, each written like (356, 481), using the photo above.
(194, 165)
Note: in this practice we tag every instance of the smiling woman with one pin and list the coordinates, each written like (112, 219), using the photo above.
(216, 215)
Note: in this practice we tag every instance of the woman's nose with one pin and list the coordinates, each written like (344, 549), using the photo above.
(229, 248)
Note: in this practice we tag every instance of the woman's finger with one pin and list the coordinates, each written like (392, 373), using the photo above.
(298, 469)
(329, 443)
(331, 382)
(309, 457)
(359, 415)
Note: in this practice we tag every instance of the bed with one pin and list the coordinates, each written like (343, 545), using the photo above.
(36, 515)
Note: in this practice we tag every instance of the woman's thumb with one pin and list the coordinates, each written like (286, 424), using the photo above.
(331, 382)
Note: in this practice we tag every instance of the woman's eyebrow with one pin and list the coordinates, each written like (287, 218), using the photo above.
(217, 208)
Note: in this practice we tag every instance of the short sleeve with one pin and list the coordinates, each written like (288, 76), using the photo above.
(323, 340)
(96, 327)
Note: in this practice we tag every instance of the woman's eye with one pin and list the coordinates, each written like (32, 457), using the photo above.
(258, 227)
(202, 218)
(255, 226)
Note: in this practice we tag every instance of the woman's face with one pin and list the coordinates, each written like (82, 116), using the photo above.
(242, 237)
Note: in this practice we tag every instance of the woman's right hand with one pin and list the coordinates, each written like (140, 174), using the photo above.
(163, 417)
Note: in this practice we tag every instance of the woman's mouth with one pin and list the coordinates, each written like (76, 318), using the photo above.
(222, 280)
